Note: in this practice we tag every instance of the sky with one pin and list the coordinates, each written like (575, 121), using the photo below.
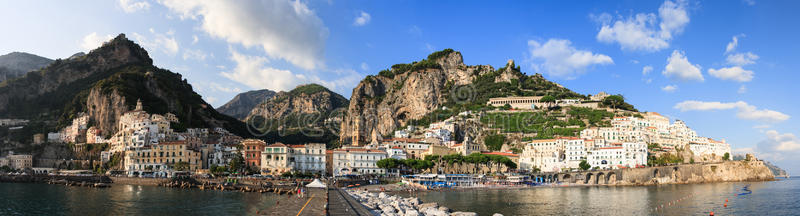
(726, 68)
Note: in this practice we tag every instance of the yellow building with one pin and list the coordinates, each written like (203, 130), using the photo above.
(162, 157)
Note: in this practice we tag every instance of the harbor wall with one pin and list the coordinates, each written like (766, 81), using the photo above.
(697, 173)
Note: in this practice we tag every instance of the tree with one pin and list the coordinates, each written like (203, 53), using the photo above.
(506, 107)
(614, 101)
(727, 156)
(549, 100)
(584, 165)
(181, 166)
(6, 169)
(494, 142)
(237, 163)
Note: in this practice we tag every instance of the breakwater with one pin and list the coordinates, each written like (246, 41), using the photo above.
(384, 204)
(729, 171)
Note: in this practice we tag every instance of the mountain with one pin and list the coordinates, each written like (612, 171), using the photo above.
(776, 171)
(104, 84)
(304, 114)
(418, 93)
(304, 99)
(241, 105)
(16, 64)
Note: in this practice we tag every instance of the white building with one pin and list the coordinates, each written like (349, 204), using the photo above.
(357, 161)
(279, 158)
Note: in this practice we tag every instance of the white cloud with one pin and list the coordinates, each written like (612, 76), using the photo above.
(744, 110)
(734, 73)
(159, 41)
(742, 89)
(639, 32)
(92, 41)
(253, 72)
(285, 29)
(558, 58)
(131, 6)
(749, 2)
(364, 66)
(195, 39)
(669, 88)
(647, 69)
(732, 45)
(210, 99)
(741, 59)
(194, 54)
(679, 68)
(783, 142)
(362, 19)
(762, 126)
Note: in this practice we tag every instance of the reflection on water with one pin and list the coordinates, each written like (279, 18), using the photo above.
(768, 198)
(43, 199)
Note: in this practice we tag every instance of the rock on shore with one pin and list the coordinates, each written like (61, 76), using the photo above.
(388, 205)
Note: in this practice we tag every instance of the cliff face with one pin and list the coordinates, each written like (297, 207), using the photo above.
(305, 99)
(698, 173)
(241, 105)
(380, 104)
(104, 84)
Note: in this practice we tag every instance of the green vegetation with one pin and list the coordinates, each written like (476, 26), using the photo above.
(618, 102)
(493, 162)
(727, 156)
(594, 116)
(439, 54)
(412, 164)
(665, 159)
(494, 142)
(584, 165)
(181, 166)
(308, 89)
(545, 126)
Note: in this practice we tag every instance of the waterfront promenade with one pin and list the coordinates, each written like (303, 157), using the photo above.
(341, 203)
(313, 203)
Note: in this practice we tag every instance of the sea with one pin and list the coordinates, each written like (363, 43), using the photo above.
(781, 197)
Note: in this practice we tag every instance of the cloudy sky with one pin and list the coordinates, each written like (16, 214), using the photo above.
(727, 68)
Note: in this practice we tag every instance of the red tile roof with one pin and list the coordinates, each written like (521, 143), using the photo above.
(277, 145)
(501, 154)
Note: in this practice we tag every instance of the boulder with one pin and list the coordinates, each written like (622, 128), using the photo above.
(464, 214)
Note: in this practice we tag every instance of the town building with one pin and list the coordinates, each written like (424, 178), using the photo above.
(357, 161)
(162, 159)
(251, 151)
(279, 158)
(18, 161)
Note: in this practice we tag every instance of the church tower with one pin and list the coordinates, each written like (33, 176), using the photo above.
(138, 105)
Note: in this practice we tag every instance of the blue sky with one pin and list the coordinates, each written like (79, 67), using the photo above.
(672, 57)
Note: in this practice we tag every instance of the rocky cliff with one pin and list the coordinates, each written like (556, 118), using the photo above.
(698, 173)
(304, 99)
(242, 104)
(409, 92)
(105, 83)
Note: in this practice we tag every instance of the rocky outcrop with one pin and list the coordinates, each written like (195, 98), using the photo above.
(380, 104)
(384, 204)
(242, 104)
(698, 173)
(105, 109)
(304, 99)
(105, 83)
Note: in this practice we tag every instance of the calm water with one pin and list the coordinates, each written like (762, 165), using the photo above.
(767, 198)
(44, 199)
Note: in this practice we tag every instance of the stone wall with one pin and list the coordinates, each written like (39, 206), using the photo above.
(697, 173)
(677, 174)
(138, 181)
